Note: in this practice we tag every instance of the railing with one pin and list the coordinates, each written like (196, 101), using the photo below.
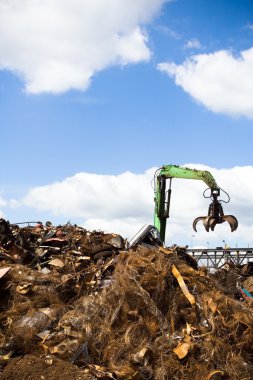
(218, 257)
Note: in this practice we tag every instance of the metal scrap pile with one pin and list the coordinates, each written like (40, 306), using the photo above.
(78, 304)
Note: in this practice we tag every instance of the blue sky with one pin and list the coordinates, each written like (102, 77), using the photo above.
(164, 95)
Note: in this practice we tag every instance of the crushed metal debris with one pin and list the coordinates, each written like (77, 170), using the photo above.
(81, 305)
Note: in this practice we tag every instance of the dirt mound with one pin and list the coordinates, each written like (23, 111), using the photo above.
(32, 367)
(78, 303)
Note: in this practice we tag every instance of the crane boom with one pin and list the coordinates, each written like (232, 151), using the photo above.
(173, 171)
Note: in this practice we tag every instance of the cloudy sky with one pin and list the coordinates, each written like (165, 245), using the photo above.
(95, 95)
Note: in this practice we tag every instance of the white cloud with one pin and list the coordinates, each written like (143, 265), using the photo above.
(124, 203)
(14, 204)
(126, 227)
(3, 203)
(57, 45)
(220, 81)
(249, 26)
(193, 44)
(91, 196)
(169, 32)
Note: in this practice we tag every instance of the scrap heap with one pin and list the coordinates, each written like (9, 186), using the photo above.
(79, 305)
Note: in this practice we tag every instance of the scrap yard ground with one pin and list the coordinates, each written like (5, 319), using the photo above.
(79, 305)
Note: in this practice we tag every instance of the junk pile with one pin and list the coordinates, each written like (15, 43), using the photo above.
(79, 305)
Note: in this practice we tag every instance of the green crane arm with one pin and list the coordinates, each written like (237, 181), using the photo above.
(173, 171)
(162, 198)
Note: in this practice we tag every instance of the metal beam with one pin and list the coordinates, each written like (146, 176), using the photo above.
(217, 257)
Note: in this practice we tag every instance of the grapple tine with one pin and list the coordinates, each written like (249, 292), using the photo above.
(213, 224)
(235, 221)
(194, 224)
(232, 221)
(207, 222)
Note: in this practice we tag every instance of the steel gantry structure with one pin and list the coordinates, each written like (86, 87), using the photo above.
(217, 257)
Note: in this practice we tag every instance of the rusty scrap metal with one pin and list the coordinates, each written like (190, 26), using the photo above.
(82, 302)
